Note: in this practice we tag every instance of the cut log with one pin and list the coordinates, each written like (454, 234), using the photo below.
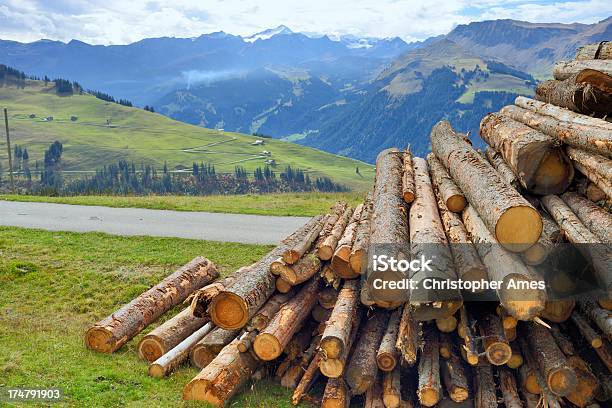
(374, 396)
(516, 359)
(320, 314)
(337, 333)
(506, 173)
(292, 376)
(336, 394)
(601, 50)
(510, 334)
(524, 300)
(508, 321)
(362, 239)
(455, 378)
(428, 241)
(237, 304)
(596, 219)
(484, 387)
(362, 369)
(168, 335)
(497, 349)
(558, 311)
(268, 310)
(528, 374)
(340, 260)
(565, 69)
(245, 341)
(223, 377)
(594, 193)
(507, 384)
(605, 355)
(171, 360)
(538, 252)
(294, 253)
(530, 400)
(601, 317)
(429, 391)
(271, 341)
(465, 329)
(391, 388)
(594, 139)
(558, 375)
(328, 297)
(207, 349)
(450, 193)
(447, 346)
(387, 354)
(283, 286)
(302, 270)
(535, 157)
(111, 333)
(596, 167)
(589, 334)
(408, 337)
(326, 249)
(334, 367)
(563, 342)
(512, 220)
(408, 189)
(309, 377)
(337, 212)
(587, 385)
(201, 298)
(446, 324)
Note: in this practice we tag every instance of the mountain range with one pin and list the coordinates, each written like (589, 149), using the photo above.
(347, 95)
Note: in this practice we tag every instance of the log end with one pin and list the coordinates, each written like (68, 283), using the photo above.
(267, 347)
(156, 370)
(283, 286)
(456, 203)
(429, 397)
(472, 359)
(391, 400)
(554, 175)
(331, 347)
(325, 252)
(150, 349)
(331, 367)
(459, 394)
(535, 255)
(408, 196)
(519, 228)
(342, 268)
(100, 339)
(562, 381)
(291, 256)
(229, 311)
(356, 261)
(515, 361)
(201, 357)
(386, 361)
(498, 353)
(197, 390)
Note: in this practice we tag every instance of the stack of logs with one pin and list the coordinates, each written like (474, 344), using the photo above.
(303, 313)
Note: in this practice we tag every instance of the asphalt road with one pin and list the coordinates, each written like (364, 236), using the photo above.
(249, 229)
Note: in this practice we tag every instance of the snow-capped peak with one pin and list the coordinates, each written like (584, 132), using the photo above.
(267, 34)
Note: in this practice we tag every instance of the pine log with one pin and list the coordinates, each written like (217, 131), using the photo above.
(506, 267)
(320, 314)
(593, 139)
(450, 193)
(391, 388)
(510, 334)
(408, 189)
(558, 375)
(271, 341)
(387, 354)
(326, 249)
(588, 97)
(508, 321)
(302, 270)
(201, 298)
(507, 384)
(282, 286)
(171, 360)
(601, 317)
(528, 377)
(294, 253)
(512, 220)
(565, 69)
(338, 330)
(484, 387)
(447, 346)
(596, 167)
(428, 241)
(535, 157)
(114, 331)
(328, 297)
(223, 377)
(238, 303)
(268, 310)
(589, 334)
(587, 384)
(292, 376)
(336, 212)
(334, 367)
(506, 173)
(601, 50)
(538, 252)
(309, 377)
(340, 259)
(429, 390)
(245, 341)
(465, 329)
(447, 324)
(362, 239)
(374, 396)
(362, 369)
(516, 359)
(594, 193)
(210, 345)
(596, 219)
(497, 349)
(455, 378)
(563, 342)
(408, 337)
(559, 310)
(336, 394)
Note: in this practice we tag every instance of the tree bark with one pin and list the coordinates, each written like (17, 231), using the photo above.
(565, 69)
(596, 219)
(294, 253)
(336, 394)
(392, 390)
(111, 333)
(451, 194)
(455, 378)
(589, 334)
(362, 369)
(223, 377)
(596, 167)
(512, 220)
(341, 258)
(507, 383)
(362, 239)
(465, 329)
(302, 270)
(505, 172)
(408, 188)
(337, 333)
(268, 310)
(171, 360)
(320, 314)
(539, 251)
(535, 157)
(166, 336)
(428, 390)
(408, 336)
(563, 342)
(387, 354)
(374, 396)
(210, 345)
(201, 298)
(601, 50)
(560, 113)
(484, 387)
(326, 249)
(309, 377)
(559, 376)
(497, 349)
(270, 342)
(506, 267)
(601, 317)
(328, 297)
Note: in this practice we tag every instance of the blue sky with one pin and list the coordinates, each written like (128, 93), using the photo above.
(125, 21)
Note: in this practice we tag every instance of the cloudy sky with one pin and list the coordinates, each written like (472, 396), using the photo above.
(125, 21)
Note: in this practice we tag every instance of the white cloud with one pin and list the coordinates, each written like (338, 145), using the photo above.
(124, 21)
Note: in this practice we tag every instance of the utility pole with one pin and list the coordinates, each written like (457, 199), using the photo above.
(8, 146)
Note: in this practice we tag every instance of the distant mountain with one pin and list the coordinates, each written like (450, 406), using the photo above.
(267, 34)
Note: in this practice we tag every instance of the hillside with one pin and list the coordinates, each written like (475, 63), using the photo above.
(141, 136)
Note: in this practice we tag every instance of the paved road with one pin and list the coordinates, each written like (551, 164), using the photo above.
(250, 229)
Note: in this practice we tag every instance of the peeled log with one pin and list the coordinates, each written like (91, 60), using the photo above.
(326, 249)
(560, 114)
(484, 387)
(391, 388)
(429, 391)
(340, 260)
(387, 354)
(337, 333)
(362, 369)
(601, 50)
(594, 139)
(223, 377)
(408, 336)
(565, 69)
(535, 157)
(510, 218)
(302, 270)
(111, 333)
(455, 378)
(207, 349)
(506, 173)
(171, 360)
(336, 394)
(596, 219)
(408, 189)
(505, 266)
(596, 167)
(362, 239)
(166, 336)
(497, 348)
(271, 341)
(507, 383)
(601, 317)
(268, 310)
(449, 192)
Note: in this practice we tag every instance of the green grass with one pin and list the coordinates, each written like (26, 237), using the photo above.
(141, 136)
(53, 285)
(292, 204)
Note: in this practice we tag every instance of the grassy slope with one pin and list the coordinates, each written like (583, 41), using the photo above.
(143, 136)
(293, 204)
(53, 285)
